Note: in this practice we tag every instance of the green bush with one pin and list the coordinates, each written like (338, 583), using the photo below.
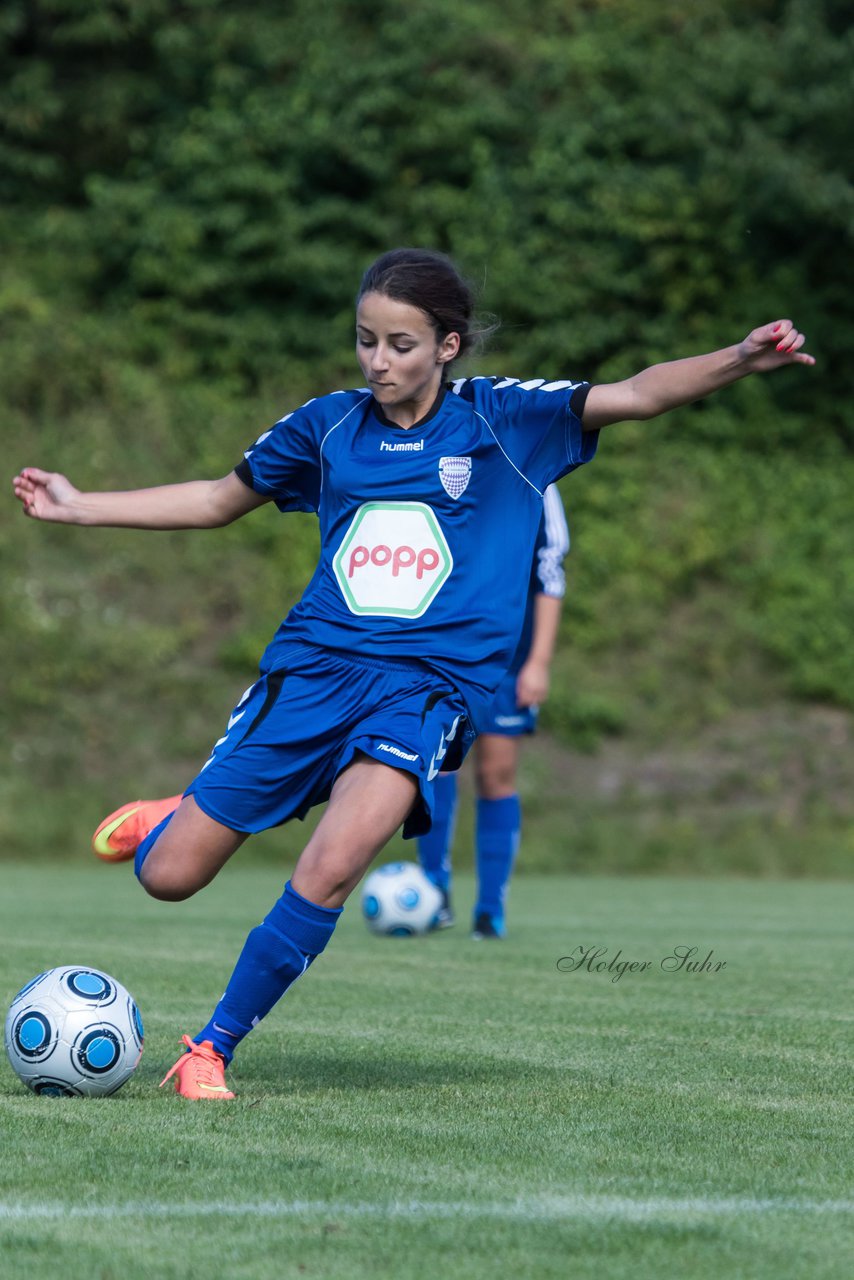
(191, 193)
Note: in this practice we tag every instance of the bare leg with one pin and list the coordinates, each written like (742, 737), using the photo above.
(497, 763)
(188, 853)
(369, 802)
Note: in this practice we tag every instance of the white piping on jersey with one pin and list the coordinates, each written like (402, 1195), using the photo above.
(287, 418)
(532, 385)
(506, 454)
(508, 382)
(335, 427)
(550, 557)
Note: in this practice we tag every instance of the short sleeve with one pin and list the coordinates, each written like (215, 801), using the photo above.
(551, 547)
(538, 424)
(284, 462)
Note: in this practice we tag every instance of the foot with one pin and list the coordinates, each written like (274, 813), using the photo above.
(444, 917)
(120, 835)
(200, 1073)
(487, 926)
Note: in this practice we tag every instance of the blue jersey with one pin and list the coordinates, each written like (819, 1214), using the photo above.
(427, 534)
(547, 577)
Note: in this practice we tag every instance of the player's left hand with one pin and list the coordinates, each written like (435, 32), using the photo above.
(774, 345)
(532, 684)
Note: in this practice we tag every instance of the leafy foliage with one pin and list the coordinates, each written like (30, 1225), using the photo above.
(192, 191)
(636, 179)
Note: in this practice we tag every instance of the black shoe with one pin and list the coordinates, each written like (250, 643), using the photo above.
(444, 918)
(486, 926)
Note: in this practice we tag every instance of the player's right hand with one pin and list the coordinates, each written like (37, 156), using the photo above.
(45, 495)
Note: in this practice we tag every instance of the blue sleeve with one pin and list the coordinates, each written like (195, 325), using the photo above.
(536, 423)
(551, 547)
(284, 462)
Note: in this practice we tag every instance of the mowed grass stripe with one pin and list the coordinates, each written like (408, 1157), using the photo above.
(409, 1096)
(555, 1209)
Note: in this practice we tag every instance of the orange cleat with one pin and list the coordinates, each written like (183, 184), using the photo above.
(120, 835)
(200, 1073)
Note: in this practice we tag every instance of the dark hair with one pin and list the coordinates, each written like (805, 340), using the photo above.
(428, 280)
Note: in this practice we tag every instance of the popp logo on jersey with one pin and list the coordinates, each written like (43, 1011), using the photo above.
(392, 560)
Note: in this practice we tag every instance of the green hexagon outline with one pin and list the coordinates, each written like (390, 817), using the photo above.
(355, 523)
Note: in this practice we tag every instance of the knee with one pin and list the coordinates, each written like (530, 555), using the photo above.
(496, 780)
(496, 767)
(327, 873)
(186, 855)
(323, 885)
(165, 885)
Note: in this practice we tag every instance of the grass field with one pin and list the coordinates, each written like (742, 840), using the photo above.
(440, 1106)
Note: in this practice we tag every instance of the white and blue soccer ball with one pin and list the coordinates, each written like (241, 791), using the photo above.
(398, 900)
(74, 1032)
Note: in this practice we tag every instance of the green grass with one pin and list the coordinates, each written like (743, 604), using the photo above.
(438, 1105)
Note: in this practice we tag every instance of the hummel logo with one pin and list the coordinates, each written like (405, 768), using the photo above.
(395, 751)
(402, 446)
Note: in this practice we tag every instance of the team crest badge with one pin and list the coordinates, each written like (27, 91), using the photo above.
(454, 474)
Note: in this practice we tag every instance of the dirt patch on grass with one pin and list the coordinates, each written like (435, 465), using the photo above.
(785, 761)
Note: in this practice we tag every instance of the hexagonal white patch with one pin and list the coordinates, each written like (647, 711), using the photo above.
(393, 560)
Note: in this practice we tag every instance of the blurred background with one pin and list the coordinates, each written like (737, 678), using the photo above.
(190, 192)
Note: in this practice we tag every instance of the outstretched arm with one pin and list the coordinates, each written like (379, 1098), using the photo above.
(667, 386)
(199, 504)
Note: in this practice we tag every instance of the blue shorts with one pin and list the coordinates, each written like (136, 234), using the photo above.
(505, 717)
(296, 728)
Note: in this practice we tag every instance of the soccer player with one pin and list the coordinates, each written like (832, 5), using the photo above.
(498, 815)
(429, 495)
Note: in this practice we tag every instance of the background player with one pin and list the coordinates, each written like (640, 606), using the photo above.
(498, 813)
(384, 670)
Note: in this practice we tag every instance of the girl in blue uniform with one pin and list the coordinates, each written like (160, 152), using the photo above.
(514, 714)
(429, 494)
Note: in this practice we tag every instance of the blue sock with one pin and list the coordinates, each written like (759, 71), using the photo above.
(276, 953)
(499, 823)
(434, 849)
(144, 848)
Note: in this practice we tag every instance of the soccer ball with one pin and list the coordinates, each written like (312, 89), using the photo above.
(398, 900)
(73, 1032)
